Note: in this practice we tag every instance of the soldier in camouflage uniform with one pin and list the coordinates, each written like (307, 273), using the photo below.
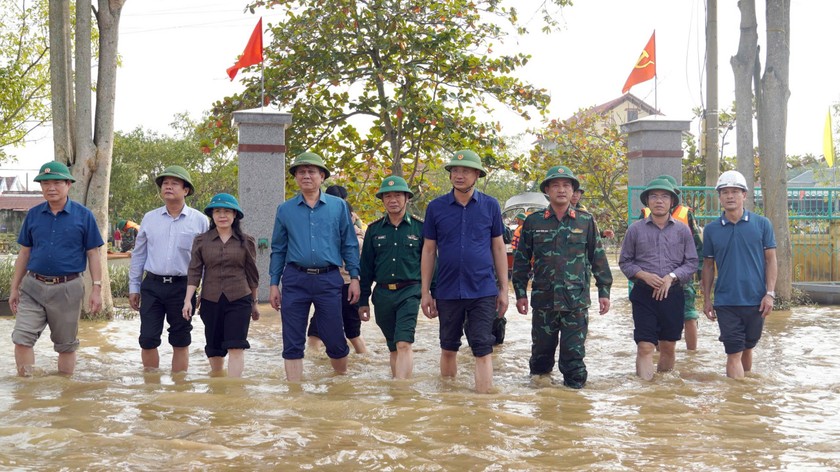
(566, 249)
(391, 258)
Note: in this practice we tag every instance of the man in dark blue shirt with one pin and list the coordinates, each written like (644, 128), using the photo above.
(463, 234)
(313, 237)
(57, 239)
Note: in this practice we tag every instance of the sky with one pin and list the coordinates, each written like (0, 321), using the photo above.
(175, 53)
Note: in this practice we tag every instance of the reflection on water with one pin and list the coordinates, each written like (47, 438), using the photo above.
(110, 415)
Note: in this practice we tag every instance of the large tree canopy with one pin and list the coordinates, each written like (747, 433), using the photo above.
(24, 70)
(385, 86)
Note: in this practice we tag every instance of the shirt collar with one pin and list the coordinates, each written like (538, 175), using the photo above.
(549, 212)
(321, 197)
(386, 220)
(183, 214)
(451, 197)
(214, 234)
(649, 219)
(68, 207)
(744, 217)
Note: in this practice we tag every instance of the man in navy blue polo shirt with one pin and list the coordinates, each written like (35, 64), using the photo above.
(313, 237)
(463, 234)
(743, 247)
(57, 239)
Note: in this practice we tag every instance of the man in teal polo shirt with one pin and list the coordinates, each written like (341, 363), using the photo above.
(463, 232)
(742, 246)
(391, 258)
(57, 239)
(313, 237)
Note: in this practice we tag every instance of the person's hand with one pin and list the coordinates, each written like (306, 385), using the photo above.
(661, 293)
(608, 233)
(134, 301)
(502, 303)
(95, 302)
(427, 303)
(187, 311)
(603, 305)
(522, 305)
(255, 311)
(14, 300)
(274, 297)
(709, 310)
(364, 313)
(353, 291)
(766, 305)
(652, 280)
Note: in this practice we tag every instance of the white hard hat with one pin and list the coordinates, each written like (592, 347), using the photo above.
(731, 178)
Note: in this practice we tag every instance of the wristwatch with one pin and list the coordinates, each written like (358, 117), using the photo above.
(97, 282)
(673, 275)
(772, 294)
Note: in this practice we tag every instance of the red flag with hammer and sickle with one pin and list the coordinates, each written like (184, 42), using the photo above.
(645, 68)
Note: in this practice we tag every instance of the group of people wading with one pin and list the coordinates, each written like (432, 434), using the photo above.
(452, 265)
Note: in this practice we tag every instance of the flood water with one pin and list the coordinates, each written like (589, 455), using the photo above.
(112, 416)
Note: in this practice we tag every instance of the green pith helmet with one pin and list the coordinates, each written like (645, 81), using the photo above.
(660, 184)
(179, 173)
(581, 190)
(559, 172)
(121, 224)
(521, 216)
(309, 159)
(54, 170)
(224, 200)
(466, 158)
(394, 184)
(670, 178)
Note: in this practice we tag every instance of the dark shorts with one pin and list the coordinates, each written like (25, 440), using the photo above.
(657, 320)
(740, 327)
(396, 313)
(349, 315)
(226, 324)
(300, 292)
(159, 300)
(478, 314)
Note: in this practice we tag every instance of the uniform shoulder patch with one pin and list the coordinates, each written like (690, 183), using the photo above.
(417, 218)
(377, 220)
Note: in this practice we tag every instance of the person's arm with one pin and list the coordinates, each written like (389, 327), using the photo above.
(688, 267)
(500, 261)
(94, 258)
(771, 272)
(138, 262)
(427, 269)
(279, 247)
(252, 275)
(707, 276)
(522, 255)
(20, 270)
(195, 272)
(366, 276)
(600, 268)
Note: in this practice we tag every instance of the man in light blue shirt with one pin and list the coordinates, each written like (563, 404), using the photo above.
(162, 251)
(742, 247)
(313, 237)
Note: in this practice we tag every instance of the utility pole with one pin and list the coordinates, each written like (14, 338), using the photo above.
(711, 113)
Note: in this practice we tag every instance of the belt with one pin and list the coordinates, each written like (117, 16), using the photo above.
(167, 279)
(53, 279)
(399, 285)
(314, 270)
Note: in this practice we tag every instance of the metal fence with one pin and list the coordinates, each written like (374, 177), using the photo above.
(813, 216)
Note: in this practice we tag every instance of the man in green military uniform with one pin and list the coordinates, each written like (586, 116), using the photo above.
(566, 249)
(391, 258)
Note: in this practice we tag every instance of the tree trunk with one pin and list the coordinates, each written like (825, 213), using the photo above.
(772, 126)
(91, 140)
(61, 73)
(742, 67)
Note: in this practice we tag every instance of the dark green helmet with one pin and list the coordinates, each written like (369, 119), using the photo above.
(466, 158)
(660, 184)
(394, 184)
(559, 172)
(309, 159)
(179, 173)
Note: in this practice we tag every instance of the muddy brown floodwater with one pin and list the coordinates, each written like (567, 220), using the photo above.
(112, 416)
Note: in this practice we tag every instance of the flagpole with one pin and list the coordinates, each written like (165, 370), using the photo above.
(262, 85)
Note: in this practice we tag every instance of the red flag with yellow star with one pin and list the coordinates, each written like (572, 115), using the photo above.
(645, 68)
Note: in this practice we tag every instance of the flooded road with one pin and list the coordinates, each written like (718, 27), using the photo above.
(112, 416)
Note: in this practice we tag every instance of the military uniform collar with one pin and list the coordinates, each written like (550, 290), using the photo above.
(549, 212)
(386, 219)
